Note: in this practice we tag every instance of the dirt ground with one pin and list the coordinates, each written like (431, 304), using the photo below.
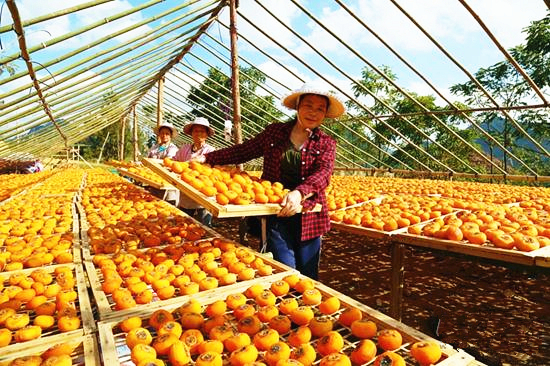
(497, 312)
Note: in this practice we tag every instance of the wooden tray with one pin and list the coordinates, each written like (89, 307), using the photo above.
(539, 257)
(53, 334)
(106, 306)
(115, 351)
(86, 352)
(139, 178)
(209, 203)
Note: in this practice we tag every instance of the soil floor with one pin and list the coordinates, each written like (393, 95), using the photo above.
(497, 312)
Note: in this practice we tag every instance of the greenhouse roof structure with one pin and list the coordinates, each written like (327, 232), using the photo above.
(140, 61)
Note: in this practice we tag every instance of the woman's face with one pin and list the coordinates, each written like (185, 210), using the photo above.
(312, 110)
(165, 135)
(199, 134)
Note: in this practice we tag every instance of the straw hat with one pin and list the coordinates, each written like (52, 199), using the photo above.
(335, 107)
(169, 126)
(200, 121)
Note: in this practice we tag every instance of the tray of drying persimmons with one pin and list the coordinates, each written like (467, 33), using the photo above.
(151, 278)
(43, 305)
(294, 321)
(224, 191)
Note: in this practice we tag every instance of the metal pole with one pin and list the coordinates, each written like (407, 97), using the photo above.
(135, 133)
(160, 101)
(122, 138)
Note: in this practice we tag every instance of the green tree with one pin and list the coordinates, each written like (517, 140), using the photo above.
(507, 86)
(212, 99)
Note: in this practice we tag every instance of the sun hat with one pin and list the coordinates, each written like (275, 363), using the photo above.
(201, 121)
(335, 106)
(169, 126)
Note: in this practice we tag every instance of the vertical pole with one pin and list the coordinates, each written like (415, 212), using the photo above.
(233, 5)
(135, 133)
(122, 138)
(397, 279)
(160, 101)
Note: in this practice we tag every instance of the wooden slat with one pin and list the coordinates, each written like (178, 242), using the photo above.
(209, 203)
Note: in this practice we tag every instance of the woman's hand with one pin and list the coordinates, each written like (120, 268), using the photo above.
(292, 204)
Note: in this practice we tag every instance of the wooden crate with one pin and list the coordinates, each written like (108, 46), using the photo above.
(115, 351)
(53, 334)
(106, 305)
(210, 203)
(86, 352)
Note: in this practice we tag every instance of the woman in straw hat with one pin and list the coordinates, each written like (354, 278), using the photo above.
(199, 130)
(164, 148)
(301, 156)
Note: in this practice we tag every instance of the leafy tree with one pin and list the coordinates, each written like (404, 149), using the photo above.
(212, 99)
(508, 87)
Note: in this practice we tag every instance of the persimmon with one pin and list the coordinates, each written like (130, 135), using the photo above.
(288, 305)
(363, 328)
(17, 321)
(47, 308)
(5, 337)
(212, 322)
(191, 320)
(130, 323)
(220, 333)
(142, 352)
(27, 333)
(249, 324)
(299, 336)
(349, 315)
(476, 237)
(191, 306)
(330, 305)
(44, 321)
(291, 279)
(162, 343)
(311, 297)
(36, 302)
(192, 338)
(426, 353)
(27, 361)
(216, 308)
(320, 326)
(332, 342)
(243, 311)
(266, 297)
(389, 358)
(244, 355)
(253, 291)
(235, 300)
(275, 353)
(364, 352)
(524, 242)
(170, 327)
(68, 323)
(335, 359)
(144, 297)
(236, 341)
(304, 284)
(209, 359)
(281, 323)
(304, 353)
(389, 339)
(210, 345)
(302, 315)
(138, 336)
(178, 354)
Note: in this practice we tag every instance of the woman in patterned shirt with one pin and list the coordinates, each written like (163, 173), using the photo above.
(301, 156)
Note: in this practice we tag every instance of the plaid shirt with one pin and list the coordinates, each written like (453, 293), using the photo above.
(318, 154)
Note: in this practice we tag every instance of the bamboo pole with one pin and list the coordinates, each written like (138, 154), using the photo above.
(25, 55)
(54, 15)
(135, 133)
(160, 102)
(122, 138)
(233, 5)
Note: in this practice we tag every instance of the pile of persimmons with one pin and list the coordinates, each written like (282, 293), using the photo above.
(122, 216)
(36, 227)
(140, 276)
(289, 323)
(504, 216)
(227, 185)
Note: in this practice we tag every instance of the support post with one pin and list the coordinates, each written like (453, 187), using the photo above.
(397, 279)
(233, 5)
(135, 133)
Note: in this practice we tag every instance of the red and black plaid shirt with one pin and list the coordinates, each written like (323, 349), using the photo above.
(318, 154)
